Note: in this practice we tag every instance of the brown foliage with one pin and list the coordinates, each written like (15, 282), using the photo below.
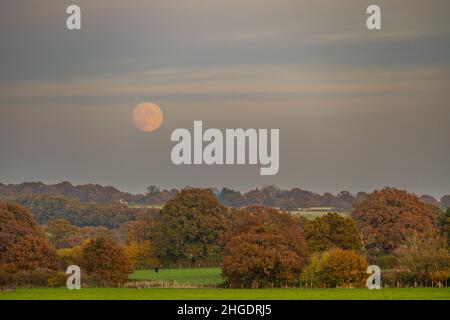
(265, 247)
(23, 245)
(105, 258)
(387, 215)
(332, 231)
(425, 257)
(142, 254)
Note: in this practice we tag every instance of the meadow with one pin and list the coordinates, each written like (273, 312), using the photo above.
(195, 276)
(227, 294)
(211, 276)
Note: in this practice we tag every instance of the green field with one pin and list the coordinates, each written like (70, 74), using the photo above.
(227, 294)
(198, 276)
(145, 206)
(211, 276)
(310, 215)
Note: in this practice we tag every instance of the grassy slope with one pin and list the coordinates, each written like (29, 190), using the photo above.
(226, 294)
(192, 276)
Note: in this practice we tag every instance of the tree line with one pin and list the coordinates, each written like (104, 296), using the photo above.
(256, 246)
(270, 196)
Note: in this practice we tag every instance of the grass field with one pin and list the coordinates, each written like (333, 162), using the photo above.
(145, 206)
(227, 294)
(202, 276)
(310, 215)
(211, 276)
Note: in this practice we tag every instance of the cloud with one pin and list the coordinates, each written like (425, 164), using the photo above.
(246, 83)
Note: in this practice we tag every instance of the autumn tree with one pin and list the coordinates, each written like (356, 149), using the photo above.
(142, 254)
(429, 200)
(332, 231)
(70, 256)
(336, 268)
(141, 229)
(190, 225)
(265, 247)
(46, 208)
(138, 237)
(105, 258)
(424, 256)
(444, 225)
(344, 268)
(62, 233)
(445, 202)
(23, 245)
(387, 215)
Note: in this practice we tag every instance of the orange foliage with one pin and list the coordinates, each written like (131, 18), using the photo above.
(386, 216)
(265, 248)
(23, 245)
(105, 258)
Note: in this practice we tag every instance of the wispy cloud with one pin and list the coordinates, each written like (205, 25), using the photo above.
(277, 82)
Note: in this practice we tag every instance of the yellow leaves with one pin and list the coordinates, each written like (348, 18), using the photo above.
(142, 254)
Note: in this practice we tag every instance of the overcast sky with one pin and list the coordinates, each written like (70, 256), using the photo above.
(357, 109)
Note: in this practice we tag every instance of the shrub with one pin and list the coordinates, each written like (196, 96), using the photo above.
(27, 278)
(345, 268)
(5, 278)
(439, 276)
(424, 255)
(58, 280)
(70, 256)
(313, 272)
(337, 268)
(384, 261)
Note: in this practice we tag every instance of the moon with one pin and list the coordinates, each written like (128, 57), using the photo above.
(147, 117)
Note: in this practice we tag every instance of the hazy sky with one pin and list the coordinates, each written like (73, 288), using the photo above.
(356, 109)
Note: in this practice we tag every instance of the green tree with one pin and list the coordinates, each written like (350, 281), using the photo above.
(190, 226)
(332, 231)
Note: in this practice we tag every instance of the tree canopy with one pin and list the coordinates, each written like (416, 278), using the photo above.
(265, 247)
(332, 231)
(105, 258)
(386, 216)
(23, 245)
(190, 226)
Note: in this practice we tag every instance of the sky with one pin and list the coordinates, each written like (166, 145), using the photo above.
(357, 109)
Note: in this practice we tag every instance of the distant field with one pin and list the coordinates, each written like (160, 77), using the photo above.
(315, 214)
(147, 206)
(308, 214)
(203, 276)
(227, 294)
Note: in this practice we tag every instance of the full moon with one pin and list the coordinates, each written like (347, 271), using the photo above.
(147, 117)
